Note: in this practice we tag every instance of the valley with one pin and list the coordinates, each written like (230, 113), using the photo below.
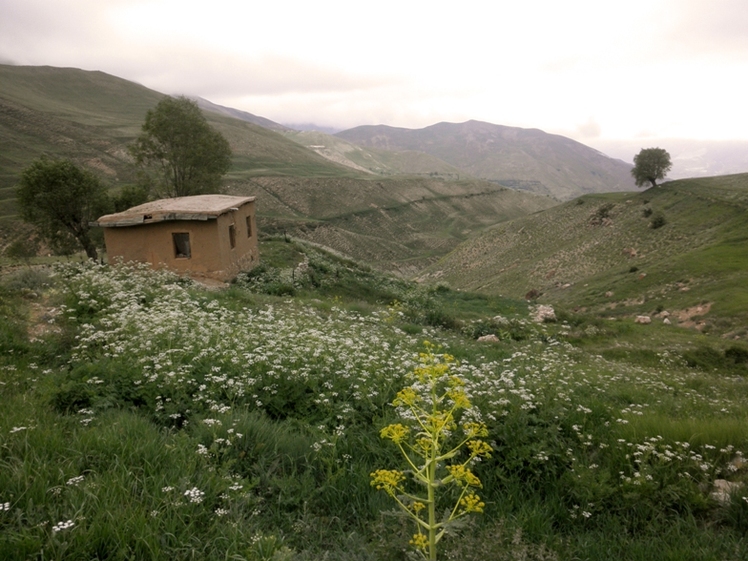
(145, 415)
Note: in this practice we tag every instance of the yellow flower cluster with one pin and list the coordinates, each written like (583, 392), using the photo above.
(407, 397)
(419, 541)
(459, 397)
(440, 422)
(417, 506)
(430, 372)
(479, 448)
(396, 433)
(472, 503)
(464, 475)
(425, 445)
(387, 480)
(472, 429)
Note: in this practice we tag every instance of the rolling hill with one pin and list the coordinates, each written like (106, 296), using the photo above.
(396, 222)
(526, 159)
(91, 117)
(399, 224)
(601, 253)
(373, 160)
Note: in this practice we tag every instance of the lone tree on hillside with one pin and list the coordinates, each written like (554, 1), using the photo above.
(189, 156)
(650, 165)
(61, 199)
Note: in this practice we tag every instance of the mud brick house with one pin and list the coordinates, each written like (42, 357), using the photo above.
(212, 236)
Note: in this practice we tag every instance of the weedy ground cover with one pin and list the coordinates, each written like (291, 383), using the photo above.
(160, 420)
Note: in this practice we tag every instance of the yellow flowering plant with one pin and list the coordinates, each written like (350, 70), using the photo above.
(440, 439)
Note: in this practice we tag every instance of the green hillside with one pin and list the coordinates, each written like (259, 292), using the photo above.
(91, 117)
(374, 160)
(144, 416)
(601, 253)
(397, 222)
(527, 159)
(400, 223)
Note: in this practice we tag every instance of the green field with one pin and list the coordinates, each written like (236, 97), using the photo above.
(601, 254)
(146, 417)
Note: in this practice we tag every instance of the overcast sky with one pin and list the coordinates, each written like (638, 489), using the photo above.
(589, 69)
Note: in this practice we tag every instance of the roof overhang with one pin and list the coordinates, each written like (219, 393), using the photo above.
(198, 207)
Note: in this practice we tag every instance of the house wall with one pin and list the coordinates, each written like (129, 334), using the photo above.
(211, 252)
(245, 253)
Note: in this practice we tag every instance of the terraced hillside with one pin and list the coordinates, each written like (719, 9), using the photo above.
(602, 253)
(400, 224)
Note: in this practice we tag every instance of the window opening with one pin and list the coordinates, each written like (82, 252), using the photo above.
(182, 245)
(232, 236)
(249, 226)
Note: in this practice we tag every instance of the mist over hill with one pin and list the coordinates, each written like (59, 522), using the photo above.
(206, 105)
(691, 157)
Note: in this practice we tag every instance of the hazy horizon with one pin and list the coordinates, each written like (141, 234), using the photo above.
(592, 71)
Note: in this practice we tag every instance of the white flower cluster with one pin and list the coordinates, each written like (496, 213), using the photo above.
(194, 495)
(75, 481)
(190, 345)
(60, 526)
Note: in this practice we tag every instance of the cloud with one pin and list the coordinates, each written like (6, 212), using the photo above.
(709, 28)
(540, 63)
(205, 73)
(590, 129)
(162, 55)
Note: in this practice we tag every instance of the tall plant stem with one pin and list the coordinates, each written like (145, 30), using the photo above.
(432, 507)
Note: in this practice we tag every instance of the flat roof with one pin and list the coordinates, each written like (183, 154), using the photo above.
(196, 207)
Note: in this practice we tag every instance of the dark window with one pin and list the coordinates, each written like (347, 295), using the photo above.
(232, 236)
(249, 226)
(182, 245)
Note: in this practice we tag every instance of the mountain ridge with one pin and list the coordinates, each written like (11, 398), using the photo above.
(537, 161)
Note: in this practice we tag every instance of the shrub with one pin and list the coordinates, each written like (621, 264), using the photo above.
(28, 279)
(705, 358)
(23, 249)
(439, 318)
(658, 221)
(71, 396)
(604, 210)
(738, 355)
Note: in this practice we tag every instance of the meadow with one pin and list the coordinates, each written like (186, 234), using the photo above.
(146, 417)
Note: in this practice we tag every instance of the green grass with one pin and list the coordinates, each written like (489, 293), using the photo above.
(617, 265)
(117, 430)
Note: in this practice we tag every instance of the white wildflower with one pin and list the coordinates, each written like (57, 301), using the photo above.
(195, 495)
(74, 481)
(62, 526)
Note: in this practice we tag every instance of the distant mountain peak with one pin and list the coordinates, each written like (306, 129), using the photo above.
(529, 159)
